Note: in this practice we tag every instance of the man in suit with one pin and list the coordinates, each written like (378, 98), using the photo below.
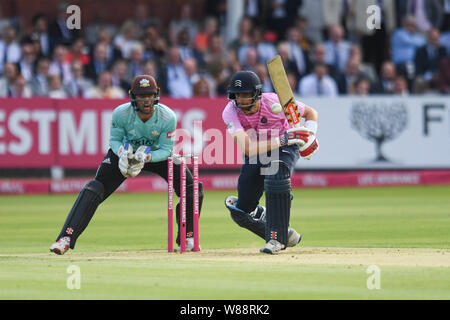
(39, 84)
(428, 56)
(99, 62)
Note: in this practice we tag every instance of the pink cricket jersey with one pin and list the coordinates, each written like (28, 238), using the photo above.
(264, 123)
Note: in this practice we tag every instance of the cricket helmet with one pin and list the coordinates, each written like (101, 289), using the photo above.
(245, 82)
(143, 85)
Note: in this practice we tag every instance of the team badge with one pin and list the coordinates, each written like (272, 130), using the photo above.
(238, 83)
(144, 83)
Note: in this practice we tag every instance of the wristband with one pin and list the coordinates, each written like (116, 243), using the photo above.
(311, 125)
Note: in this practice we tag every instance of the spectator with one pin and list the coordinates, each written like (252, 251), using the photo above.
(444, 76)
(401, 86)
(293, 82)
(427, 57)
(126, 38)
(244, 35)
(289, 65)
(362, 87)
(191, 68)
(346, 81)
(78, 51)
(318, 56)
(39, 83)
(278, 18)
(99, 25)
(445, 39)
(185, 22)
(215, 56)
(313, 10)
(367, 68)
(428, 13)
(306, 43)
(251, 60)
(112, 52)
(40, 33)
(21, 89)
(104, 88)
(56, 90)
(79, 84)
(296, 53)
(318, 83)
(337, 50)
(119, 75)
(134, 67)
(387, 78)
(263, 74)
(405, 42)
(58, 31)
(186, 49)
(203, 37)
(155, 47)
(149, 67)
(177, 81)
(10, 73)
(201, 88)
(9, 47)
(26, 64)
(59, 66)
(99, 63)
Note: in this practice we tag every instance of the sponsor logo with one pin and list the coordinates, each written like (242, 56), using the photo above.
(273, 235)
(155, 133)
(107, 160)
(170, 134)
(69, 231)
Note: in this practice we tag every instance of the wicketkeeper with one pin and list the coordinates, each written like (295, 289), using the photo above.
(142, 138)
(272, 147)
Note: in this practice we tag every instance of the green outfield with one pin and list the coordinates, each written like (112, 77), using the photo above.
(402, 231)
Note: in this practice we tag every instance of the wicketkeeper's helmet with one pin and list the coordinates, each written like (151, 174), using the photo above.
(143, 85)
(245, 82)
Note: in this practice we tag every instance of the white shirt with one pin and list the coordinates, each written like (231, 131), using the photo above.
(310, 86)
(342, 54)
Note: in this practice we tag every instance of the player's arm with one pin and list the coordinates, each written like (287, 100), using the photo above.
(311, 118)
(251, 148)
(116, 133)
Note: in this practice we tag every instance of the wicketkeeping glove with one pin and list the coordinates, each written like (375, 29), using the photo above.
(125, 152)
(141, 156)
(298, 135)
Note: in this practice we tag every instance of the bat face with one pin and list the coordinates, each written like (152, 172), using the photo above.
(283, 89)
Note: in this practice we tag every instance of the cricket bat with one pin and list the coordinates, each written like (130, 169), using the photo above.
(284, 92)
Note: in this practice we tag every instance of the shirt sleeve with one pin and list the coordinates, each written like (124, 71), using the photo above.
(117, 133)
(231, 119)
(166, 141)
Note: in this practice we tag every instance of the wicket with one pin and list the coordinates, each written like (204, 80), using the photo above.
(170, 188)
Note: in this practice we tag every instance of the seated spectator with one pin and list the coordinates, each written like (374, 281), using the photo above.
(10, 73)
(28, 60)
(317, 55)
(185, 22)
(203, 37)
(405, 41)
(444, 76)
(21, 89)
(58, 31)
(201, 88)
(445, 41)
(149, 67)
(134, 66)
(244, 34)
(98, 64)
(401, 86)
(112, 53)
(318, 83)
(78, 51)
(346, 81)
(104, 88)
(9, 47)
(263, 74)
(155, 46)
(39, 83)
(119, 75)
(428, 56)
(126, 38)
(296, 53)
(40, 33)
(293, 82)
(191, 68)
(367, 68)
(387, 78)
(79, 83)
(289, 65)
(177, 81)
(56, 90)
(59, 66)
(251, 60)
(362, 87)
(337, 50)
(186, 49)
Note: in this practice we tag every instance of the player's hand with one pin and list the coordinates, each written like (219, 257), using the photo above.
(125, 152)
(298, 135)
(141, 156)
(309, 148)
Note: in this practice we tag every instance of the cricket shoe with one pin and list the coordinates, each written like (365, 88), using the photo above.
(272, 247)
(293, 238)
(61, 246)
(189, 245)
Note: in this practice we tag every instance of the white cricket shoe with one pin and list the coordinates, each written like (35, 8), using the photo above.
(189, 245)
(293, 238)
(61, 246)
(272, 247)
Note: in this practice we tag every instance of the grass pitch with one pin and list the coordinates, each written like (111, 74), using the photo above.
(403, 231)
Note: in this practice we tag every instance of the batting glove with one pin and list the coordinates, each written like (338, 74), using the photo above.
(125, 152)
(298, 135)
(141, 156)
(309, 148)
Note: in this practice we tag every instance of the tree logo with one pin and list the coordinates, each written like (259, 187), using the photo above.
(379, 122)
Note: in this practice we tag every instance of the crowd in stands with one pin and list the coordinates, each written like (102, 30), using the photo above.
(326, 46)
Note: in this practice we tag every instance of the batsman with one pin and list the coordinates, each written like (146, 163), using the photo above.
(272, 147)
(141, 138)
